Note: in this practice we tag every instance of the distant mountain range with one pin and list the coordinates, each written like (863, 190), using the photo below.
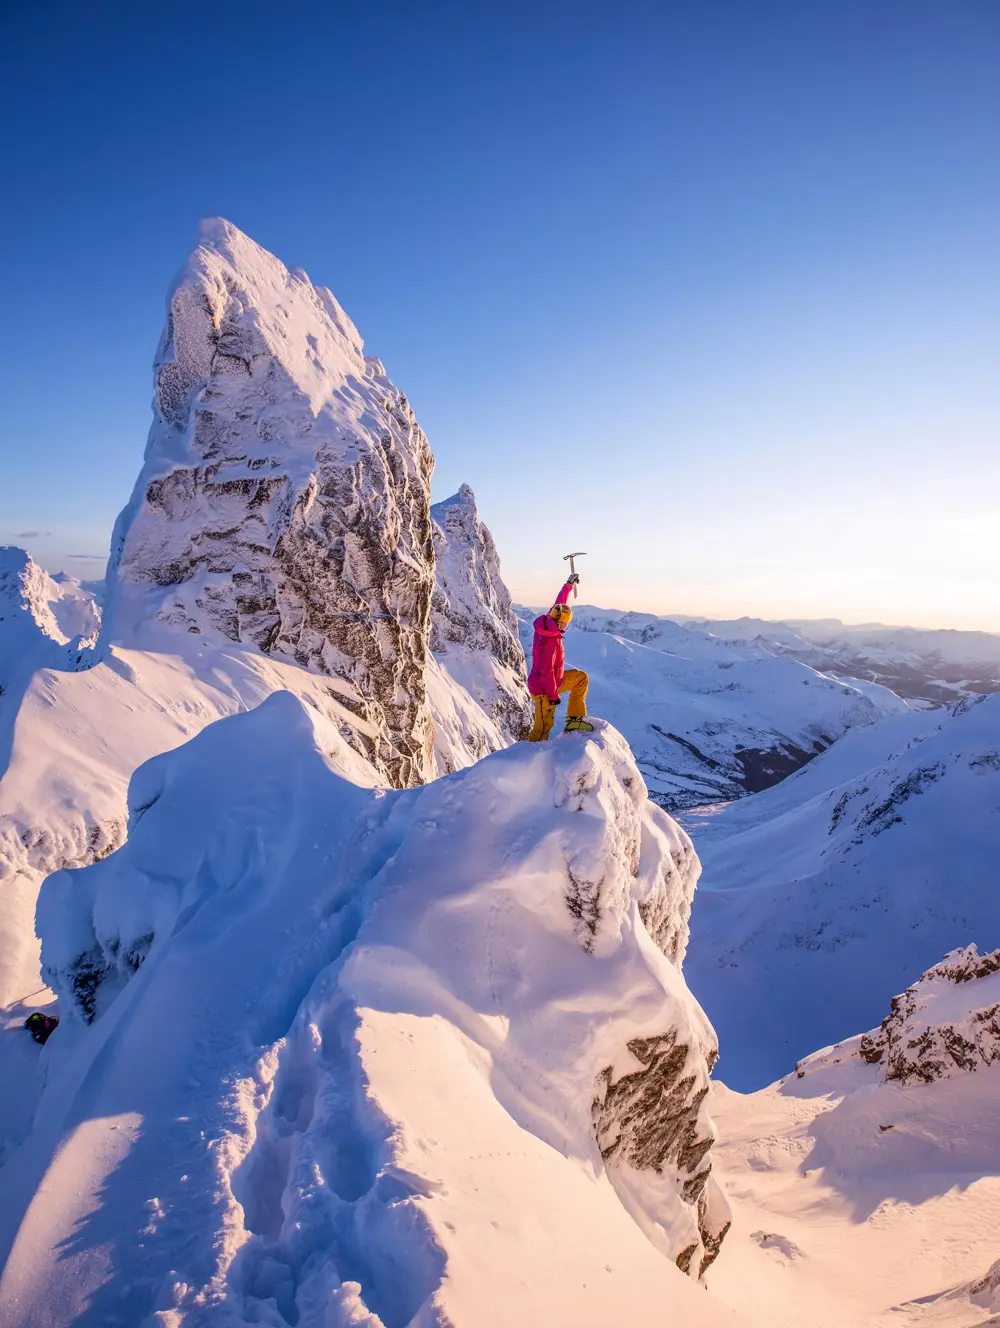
(929, 664)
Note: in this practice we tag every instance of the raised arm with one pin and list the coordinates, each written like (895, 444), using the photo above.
(563, 595)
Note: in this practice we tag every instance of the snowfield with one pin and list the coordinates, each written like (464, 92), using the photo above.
(864, 1197)
(336, 1055)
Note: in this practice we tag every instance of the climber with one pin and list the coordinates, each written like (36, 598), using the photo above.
(549, 676)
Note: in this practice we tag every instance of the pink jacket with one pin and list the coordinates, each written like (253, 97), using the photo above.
(548, 655)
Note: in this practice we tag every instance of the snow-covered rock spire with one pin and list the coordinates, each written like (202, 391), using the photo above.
(284, 500)
(44, 621)
(473, 624)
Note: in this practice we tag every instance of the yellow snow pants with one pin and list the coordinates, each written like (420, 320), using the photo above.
(575, 681)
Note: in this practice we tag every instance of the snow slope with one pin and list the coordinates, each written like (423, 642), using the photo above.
(820, 897)
(707, 719)
(333, 1055)
(45, 623)
(866, 1186)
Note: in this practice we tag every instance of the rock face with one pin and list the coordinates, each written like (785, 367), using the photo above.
(653, 1120)
(284, 501)
(473, 626)
(947, 1023)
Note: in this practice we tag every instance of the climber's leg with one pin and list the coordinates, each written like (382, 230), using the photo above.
(575, 681)
(545, 713)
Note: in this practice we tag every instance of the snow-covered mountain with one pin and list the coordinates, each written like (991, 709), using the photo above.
(708, 719)
(933, 665)
(325, 1032)
(45, 622)
(284, 500)
(821, 896)
(372, 1017)
(332, 1055)
(279, 537)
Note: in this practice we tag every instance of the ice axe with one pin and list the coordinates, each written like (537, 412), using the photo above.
(572, 567)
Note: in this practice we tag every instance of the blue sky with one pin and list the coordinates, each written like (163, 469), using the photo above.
(709, 289)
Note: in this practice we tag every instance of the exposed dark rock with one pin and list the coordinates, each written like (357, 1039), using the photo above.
(914, 1048)
(653, 1119)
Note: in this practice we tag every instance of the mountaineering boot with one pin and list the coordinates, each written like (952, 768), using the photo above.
(577, 724)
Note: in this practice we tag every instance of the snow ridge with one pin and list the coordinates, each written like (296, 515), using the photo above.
(353, 1019)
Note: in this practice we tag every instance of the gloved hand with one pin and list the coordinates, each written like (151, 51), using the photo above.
(573, 579)
(556, 700)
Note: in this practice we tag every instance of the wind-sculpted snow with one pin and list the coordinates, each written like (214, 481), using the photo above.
(474, 628)
(848, 877)
(284, 501)
(321, 1043)
(708, 720)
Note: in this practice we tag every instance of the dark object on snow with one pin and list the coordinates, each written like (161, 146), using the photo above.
(41, 1026)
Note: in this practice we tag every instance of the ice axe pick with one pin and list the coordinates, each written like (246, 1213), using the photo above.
(581, 553)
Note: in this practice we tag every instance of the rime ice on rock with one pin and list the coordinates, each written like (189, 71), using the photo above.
(947, 1023)
(284, 499)
(473, 626)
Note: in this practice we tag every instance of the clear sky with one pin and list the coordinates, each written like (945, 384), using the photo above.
(710, 289)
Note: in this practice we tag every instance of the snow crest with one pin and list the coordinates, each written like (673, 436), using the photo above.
(284, 501)
(363, 1025)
